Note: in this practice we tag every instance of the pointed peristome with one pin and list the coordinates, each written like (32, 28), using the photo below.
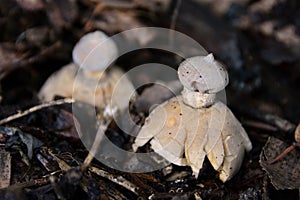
(209, 58)
(203, 74)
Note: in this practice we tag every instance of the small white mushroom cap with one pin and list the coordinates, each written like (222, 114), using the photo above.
(203, 74)
(95, 51)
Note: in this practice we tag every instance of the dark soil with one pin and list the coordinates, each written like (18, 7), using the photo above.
(258, 44)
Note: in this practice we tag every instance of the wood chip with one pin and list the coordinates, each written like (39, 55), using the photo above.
(5, 169)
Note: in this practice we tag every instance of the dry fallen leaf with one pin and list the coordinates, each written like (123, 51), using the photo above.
(64, 125)
(285, 173)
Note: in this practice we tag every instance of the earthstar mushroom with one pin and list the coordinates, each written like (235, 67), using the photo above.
(196, 124)
(87, 75)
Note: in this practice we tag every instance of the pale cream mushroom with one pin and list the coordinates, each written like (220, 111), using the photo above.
(202, 77)
(92, 83)
(196, 124)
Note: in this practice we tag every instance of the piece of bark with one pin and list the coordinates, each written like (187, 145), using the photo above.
(5, 169)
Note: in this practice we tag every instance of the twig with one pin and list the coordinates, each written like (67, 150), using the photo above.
(284, 153)
(173, 21)
(116, 179)
(175, 14)
(95, 146)
(105, 120)
(273, 120)
(284, 124)
(281, 123)
(175, 194)
(36, 108)
(259, 125)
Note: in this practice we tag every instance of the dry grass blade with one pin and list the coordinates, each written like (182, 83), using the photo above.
(61, 163)
(116, 179)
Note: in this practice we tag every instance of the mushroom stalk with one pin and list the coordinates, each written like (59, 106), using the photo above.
(197, 99)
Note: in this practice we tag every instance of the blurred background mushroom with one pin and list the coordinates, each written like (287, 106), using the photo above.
(88, 78)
